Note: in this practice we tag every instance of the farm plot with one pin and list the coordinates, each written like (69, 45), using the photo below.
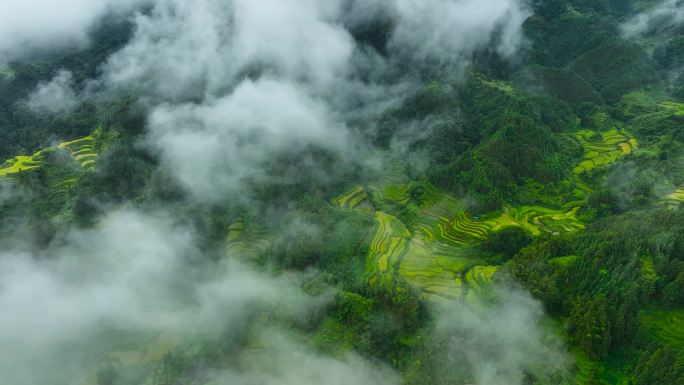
(538, 219)
(21, 163)
(389, 244)
(82, 151)
(431, 255)
(674, 199)
(353, 198)
(430, 252)
(604, 148)
(240, 242)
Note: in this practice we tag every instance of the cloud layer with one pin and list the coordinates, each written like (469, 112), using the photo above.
(661, 18)
(44, 24)
(54, 96)
(500, 344)
(443, 30)
(287, 74)
(140, 272)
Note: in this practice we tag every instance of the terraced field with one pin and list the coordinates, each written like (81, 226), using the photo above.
(21, 163)
(675, 199)
(353, 198)
(389, 244)
(430, 256)
(81, 150)
(393, 188)
(430, 251)
(604, 148)
(435, 262)
(137, 355)
(239, 242)
(433, 258)
(676, 109)
(537, 219)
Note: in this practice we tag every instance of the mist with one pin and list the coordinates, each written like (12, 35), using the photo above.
(506, 342)
(141, 273)
(662, 18)
(451, 31)
(230, 61)
(54, 96)
(39, 25)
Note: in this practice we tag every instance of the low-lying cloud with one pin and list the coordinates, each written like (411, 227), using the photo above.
(215, 147)
(451, 31)
(208, 46)
(29, 25)
(55, 96)
(660, 19)
(231, 83)
(504, 343)
(282, 360)
(140, 272)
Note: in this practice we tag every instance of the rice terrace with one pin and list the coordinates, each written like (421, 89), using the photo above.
(431, 251)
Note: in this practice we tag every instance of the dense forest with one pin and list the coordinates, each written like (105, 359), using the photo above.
(367, 192)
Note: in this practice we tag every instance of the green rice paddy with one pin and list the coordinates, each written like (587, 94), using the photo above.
(389, 244)
(603, 148)
(432, 255)
(538, 219)
(239, 241)
(81, 150)
(676, 109)
(432, 251)
(353, 198)
(138, 354)
(674, 199)
(21, 163)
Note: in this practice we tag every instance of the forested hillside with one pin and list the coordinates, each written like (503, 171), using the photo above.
(368, 192)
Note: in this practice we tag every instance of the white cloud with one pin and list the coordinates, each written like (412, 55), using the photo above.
(662, 17)
(451, 30)
(231, 83)
(205, 47)
(496, 344)
(49, 24)
(54, 96)
(213, 148)
(140, 272)
(284, 361)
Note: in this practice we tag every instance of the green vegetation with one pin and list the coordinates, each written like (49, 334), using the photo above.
(557, 171)
(667, 327)
(21, 163)
(601, 149)
(81, 150)
(388, 245)
(352, 199)
(675, 199)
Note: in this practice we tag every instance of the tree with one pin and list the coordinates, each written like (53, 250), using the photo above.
(507, 241)
(589, 326)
